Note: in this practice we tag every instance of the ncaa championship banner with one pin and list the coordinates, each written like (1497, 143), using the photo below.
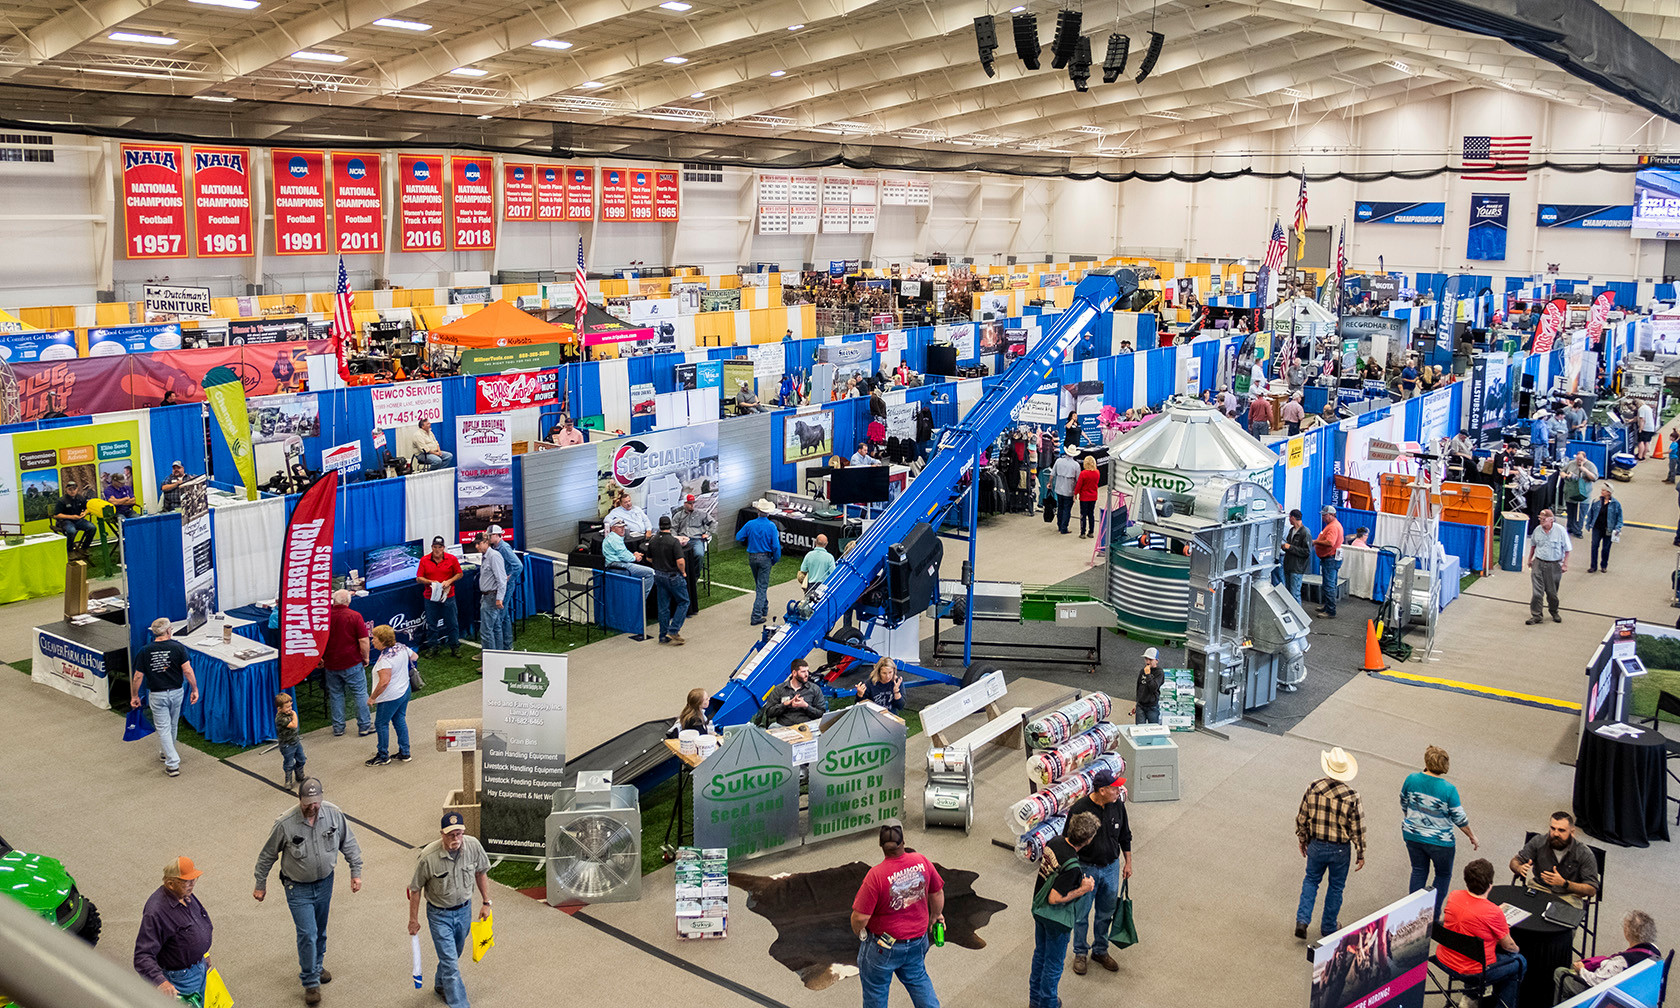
(1576, 215)
(1369, 212)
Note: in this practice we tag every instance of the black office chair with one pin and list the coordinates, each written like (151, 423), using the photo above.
(1470, 947)
(1587, 944)
(1667, 703)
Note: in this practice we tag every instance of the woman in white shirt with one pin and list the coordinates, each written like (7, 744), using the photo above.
(390, 694)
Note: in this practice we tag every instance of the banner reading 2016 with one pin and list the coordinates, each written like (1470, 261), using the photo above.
(154, 199)
(419, 203)
(473, 227)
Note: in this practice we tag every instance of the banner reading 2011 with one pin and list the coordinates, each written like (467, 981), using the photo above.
(358, 203)
(154, 199)
(473, 222)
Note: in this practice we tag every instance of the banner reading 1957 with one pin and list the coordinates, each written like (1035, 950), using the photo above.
(473, 223)
(358, 203)
(154, 199)
(420, 203)
(221, 185)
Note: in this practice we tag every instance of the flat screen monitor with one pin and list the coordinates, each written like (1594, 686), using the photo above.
(388, 565)
(858, 485)
(942, 360)
(1656, 202)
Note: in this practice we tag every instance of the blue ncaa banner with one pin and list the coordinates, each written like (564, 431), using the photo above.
(1370, 212)
(1489, 215)
(1579, 215)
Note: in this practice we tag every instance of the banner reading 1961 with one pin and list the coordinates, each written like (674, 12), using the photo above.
(221, 185)
(419, 203)
(473, 222)
(358, 203)
(154, 199)
(300, 202)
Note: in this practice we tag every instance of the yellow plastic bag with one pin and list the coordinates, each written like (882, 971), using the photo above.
(483, 935)
(215, 991)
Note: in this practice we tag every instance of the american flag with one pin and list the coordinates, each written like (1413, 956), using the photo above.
(343, 323)
(1485, 156)
(1275, 249)
(1301, 219)
(1341, 265)
(580, 294)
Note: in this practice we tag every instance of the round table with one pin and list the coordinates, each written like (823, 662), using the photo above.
(1621, 787)
(1544, 944)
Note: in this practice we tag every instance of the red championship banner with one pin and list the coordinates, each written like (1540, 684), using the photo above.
(580, 194)
(615, 194)
(420, 203)
(306, 569)
(666, 202)
(551, 192)
(518, 391)
(358, 206)
(519, 192)
(154, 197)
(473, 222)
(641, 195)
(221, 183)
(300, 202)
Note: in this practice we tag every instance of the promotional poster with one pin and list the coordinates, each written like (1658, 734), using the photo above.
(1489, 213)
(857, 779)
(807, 435)
(746, 795)
(197, 557)
(1085, 400)
(1379, 962)
(523, 748)
(483, 475)
(520, 390)
(109, 341)
(1489, 395)
(407, 405)
(98, 458)
(660, 468)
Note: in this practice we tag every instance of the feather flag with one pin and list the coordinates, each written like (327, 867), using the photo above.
(225, 395)
(306, 580)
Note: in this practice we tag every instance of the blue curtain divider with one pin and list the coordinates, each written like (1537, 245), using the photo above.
(152, 544)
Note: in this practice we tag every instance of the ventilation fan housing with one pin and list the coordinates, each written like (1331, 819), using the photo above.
(595, 843)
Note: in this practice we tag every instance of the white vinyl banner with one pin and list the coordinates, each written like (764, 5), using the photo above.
(407, 405)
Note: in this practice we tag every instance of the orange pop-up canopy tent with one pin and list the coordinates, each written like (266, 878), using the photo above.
(500, 324)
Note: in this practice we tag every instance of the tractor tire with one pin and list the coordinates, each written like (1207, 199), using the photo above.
(91, 924)
(978, 670)
(851, 637)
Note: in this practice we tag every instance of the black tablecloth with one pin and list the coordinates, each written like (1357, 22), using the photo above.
(800, 531)
(1545, 945)
(1621, 787)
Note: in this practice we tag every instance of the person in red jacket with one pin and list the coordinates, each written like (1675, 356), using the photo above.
(1085, 488)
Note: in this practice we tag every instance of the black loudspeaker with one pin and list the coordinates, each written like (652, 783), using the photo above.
(1156, 39)
(913, 572)
(1114, 64)
(1026, 39)
(985, 37)
(1079, 69)
(942, 361)
(1068, 23)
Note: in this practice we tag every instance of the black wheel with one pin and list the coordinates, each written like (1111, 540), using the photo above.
(977, 671)
(91, 924)
(959, 610)
(849, 636)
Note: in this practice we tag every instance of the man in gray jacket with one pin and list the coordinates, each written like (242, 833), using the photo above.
(307, 841)
(1064, 473)
(492, 594)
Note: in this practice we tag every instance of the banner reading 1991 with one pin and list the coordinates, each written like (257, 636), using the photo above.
(419, 203)
(221, 185)
(473, 223)
(154, 199)
(300, 202)
(358, 203)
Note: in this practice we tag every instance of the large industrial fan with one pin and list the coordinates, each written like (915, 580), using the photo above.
(595, 843)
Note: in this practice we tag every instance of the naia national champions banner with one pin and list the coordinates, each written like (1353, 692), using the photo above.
(221, 184)
(154, 199)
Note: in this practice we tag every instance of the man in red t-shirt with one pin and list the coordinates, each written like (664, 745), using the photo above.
(1469, 912)
(345, 659)
(1328, 547)
(893, 911)
(439, 570)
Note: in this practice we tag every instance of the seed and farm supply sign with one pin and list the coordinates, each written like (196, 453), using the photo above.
(857, 779)
(524, 748)
(746, 795)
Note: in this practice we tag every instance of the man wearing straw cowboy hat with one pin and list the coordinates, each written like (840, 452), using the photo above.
(1330, 827)
(764, 548)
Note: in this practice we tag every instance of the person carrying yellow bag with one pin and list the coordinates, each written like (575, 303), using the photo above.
(448, 870)
(483, 935)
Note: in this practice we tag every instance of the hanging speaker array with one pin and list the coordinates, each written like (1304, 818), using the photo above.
(1026, 39)
(985, 37)
(1068, 49)
(1068, 23)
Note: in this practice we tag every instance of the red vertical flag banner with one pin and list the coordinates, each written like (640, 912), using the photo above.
(358, 205)
(221, 183)
(580, 193)
(306, 569)
(420, 203)
(473, 223)
(615, 194)
(666, 201)
(154, 197)
(300, 202)
(551, 192)
(519, 193)
(641, 195)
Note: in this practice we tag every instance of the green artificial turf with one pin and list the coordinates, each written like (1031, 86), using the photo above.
(1646, 687)
(729, 567)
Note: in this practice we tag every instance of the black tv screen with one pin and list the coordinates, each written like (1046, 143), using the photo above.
(942, 360)
(858, 485)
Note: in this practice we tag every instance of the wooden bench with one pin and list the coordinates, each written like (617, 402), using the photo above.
(1002, 726)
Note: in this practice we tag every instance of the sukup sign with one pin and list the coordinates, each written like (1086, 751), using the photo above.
(857, 759)
(747, 782)
(518, 391)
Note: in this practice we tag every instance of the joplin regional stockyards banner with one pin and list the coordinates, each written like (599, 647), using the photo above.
(306, 581)
(660, 468)
(1379, 962)
(483, 475)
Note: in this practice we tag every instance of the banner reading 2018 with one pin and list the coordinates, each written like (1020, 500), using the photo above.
(1489, 213)
(473, 223)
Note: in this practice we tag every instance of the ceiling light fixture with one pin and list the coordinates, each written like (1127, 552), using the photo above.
(214, 98)
(778, 73)
(676, 5)
(404, 25)
(1016, 10)
(1398, 65)
(590, 84)
(159, 40)
(795, 27)
(319, 57)
(487, 117)
(676, 60)
(548, 43)
(235, 4)
(469, 72)
(698, 94)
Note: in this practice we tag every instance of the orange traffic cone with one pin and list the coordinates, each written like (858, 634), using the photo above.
(1373, 654)
(1658, 451)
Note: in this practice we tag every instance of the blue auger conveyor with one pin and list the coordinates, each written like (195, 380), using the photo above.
(927, 499)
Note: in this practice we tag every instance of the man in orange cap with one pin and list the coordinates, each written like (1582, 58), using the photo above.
(174, 936)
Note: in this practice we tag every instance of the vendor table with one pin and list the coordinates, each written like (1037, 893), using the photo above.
(88, 661)
(1621, 787)
(799, 531)
(236, 686)
(1544, 944)
(33, 568)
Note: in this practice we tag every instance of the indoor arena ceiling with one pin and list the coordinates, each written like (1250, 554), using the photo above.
(749, 81)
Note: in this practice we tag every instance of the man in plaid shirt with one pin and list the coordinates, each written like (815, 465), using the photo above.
(1331, 829)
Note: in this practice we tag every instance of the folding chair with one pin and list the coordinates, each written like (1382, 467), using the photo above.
(1468, 946)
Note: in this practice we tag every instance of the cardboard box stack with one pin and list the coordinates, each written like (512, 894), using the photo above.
(702, 892)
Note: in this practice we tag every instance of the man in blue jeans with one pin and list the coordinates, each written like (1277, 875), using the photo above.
(307, 841)
(764, 548)
(492, 595)
(161, 670)
(345, 659)
(449, 868)
(1101, 859)
(1330, 827)
(174, 934)
(1328, 546)
(898, 903)
(1469, 912)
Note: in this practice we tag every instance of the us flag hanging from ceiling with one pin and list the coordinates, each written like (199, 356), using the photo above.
(1496, 158)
